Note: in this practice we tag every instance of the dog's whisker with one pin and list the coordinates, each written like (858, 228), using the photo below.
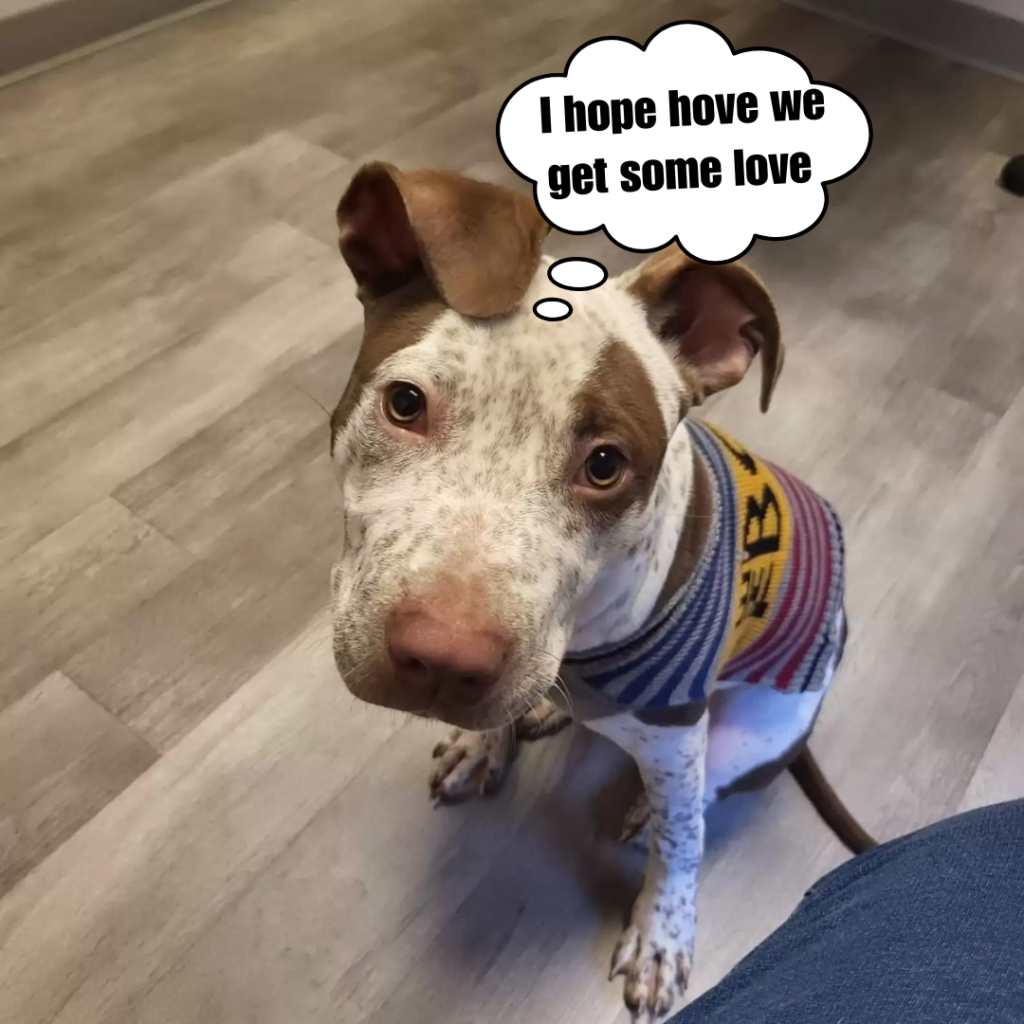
(563, 689)
(515, 735)
(558, 683)
(316, 401)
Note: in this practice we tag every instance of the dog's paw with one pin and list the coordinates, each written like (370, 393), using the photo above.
(471, 763)
(546, 719)
(655, 955)
(636, 823)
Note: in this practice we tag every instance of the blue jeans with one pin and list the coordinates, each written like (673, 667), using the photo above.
(928, 929)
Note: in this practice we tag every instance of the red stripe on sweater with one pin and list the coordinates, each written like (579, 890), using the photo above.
(803, 503)
(815, 621)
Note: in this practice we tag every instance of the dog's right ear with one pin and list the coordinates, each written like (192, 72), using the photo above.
(714, 318)
(478, 243)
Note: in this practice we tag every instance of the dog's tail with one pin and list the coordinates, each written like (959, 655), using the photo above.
(810, 778)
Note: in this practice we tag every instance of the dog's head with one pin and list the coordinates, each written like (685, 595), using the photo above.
(491, 462)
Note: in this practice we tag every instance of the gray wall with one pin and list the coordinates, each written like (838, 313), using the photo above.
(35, 31)
(987, 33)
(1010, 8)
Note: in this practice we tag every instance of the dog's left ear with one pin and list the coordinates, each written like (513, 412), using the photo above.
(714, 317)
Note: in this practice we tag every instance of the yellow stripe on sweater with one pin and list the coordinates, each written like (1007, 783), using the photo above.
(764, 534)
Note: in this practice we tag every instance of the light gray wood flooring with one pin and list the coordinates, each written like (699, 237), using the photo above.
(196, 822)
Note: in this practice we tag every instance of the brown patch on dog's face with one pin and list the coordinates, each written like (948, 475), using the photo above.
(393, 322)
(617, 406)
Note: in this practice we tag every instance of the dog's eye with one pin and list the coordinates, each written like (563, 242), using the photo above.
(404, 404)
(604, 467)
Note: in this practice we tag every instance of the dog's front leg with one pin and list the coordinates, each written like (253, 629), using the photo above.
(655, 953)
(468, 763)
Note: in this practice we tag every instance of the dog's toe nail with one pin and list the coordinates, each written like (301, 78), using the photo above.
(662, 1001)
(625, 952)
(636, 997)
(683, 970)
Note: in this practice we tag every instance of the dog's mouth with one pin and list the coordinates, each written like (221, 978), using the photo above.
(471, 719)
(462, 707)
(475, 718)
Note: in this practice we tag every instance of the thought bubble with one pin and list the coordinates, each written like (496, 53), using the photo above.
(682, 140)
(552, 309)
(577, 273)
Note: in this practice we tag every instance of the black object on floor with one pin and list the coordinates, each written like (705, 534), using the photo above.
(1012, 178)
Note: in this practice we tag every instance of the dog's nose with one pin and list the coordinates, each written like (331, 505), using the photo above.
(461, 661)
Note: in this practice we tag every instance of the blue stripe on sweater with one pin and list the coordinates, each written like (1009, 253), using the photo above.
(674, 652)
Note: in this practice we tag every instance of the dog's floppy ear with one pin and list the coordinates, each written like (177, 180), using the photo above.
(478, 243)
(714, 317)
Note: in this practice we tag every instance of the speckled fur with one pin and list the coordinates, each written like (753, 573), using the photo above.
(655, 953)
(491, 502)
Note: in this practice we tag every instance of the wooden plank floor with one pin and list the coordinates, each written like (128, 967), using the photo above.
(196, 822)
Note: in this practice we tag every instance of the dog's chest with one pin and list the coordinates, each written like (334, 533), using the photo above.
(763, 605)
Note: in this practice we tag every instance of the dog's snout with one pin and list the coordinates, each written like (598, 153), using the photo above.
(458, 658)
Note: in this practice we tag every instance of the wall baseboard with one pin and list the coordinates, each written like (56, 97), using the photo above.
(972, 35)
(42, 36)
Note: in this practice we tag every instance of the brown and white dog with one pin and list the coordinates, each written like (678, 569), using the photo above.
(517, 490)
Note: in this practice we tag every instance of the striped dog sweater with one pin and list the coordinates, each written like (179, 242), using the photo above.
(763, 606)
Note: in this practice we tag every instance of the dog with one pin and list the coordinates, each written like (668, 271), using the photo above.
(530, 508)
